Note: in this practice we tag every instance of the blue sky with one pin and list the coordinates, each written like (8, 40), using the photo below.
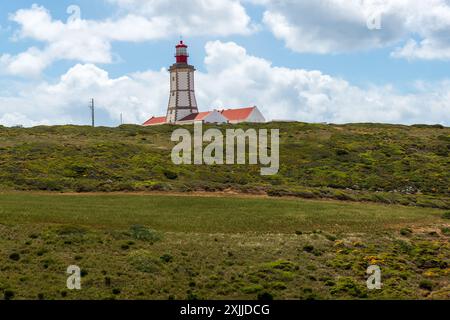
(315, 61)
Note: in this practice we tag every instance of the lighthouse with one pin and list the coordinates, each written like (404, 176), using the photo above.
(183, 110)
(182, 102)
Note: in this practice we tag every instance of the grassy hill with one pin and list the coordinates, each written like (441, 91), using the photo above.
(225, 246)
(360, 162)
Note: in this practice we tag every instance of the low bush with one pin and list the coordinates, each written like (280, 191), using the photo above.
(144, 261)
(406, 232)
(166, 258)
(8, 294)
(14, 256)
(142, 233)
(348, 286)
(426, 285)
(265, 296)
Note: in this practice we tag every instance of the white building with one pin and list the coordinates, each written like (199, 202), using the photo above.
(205, 117)
(183, 108)
(182, 102)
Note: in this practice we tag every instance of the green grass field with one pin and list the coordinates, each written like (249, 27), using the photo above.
(136, 246)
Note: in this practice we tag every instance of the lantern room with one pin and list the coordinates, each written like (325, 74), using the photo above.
(181, 53)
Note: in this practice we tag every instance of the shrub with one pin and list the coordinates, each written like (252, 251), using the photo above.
(308, 248)
(265, 296)
(41, 252)
(144, 261)
(252, 289)
(427, 262)
(330, 237)
(427, 126)
(85, 185)
(279, 285)
(116, 291)
(192, 297)
(70, 231)
(282, 265)
(446, 215)
(8, 294)
(14, 256)
(406, 232)
(341, 152)
(349, 286)
(279, 192)
(403, 246)
(170, 174)
(330, 283)
(46, 184)
(160, 186)
(76, 170)
(304, 194)
(426, 285)
(166, 258)
(144, 234)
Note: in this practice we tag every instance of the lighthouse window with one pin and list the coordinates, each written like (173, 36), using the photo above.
(181, 52)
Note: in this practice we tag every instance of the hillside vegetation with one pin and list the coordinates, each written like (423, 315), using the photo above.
(359, 162)
(151, 247)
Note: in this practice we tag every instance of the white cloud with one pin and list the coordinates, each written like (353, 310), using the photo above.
(332, 26)
(89, 41)
(312, 96)
(417, 29)
(195, 17)
(136, 95)
(240, 80)
(28, 63)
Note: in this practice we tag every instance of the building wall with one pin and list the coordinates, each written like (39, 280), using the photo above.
(182, 100)
(256, 117)
(215, 117)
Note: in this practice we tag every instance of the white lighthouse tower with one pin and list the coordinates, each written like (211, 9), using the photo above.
(182, 102)
(183, 110)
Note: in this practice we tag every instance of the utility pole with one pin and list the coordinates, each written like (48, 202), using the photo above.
(92, 107)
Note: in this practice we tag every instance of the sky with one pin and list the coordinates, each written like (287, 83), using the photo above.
(335, 61)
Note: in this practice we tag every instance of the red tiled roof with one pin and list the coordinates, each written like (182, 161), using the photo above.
(237, 114)
(154, 121)
(197, 116)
